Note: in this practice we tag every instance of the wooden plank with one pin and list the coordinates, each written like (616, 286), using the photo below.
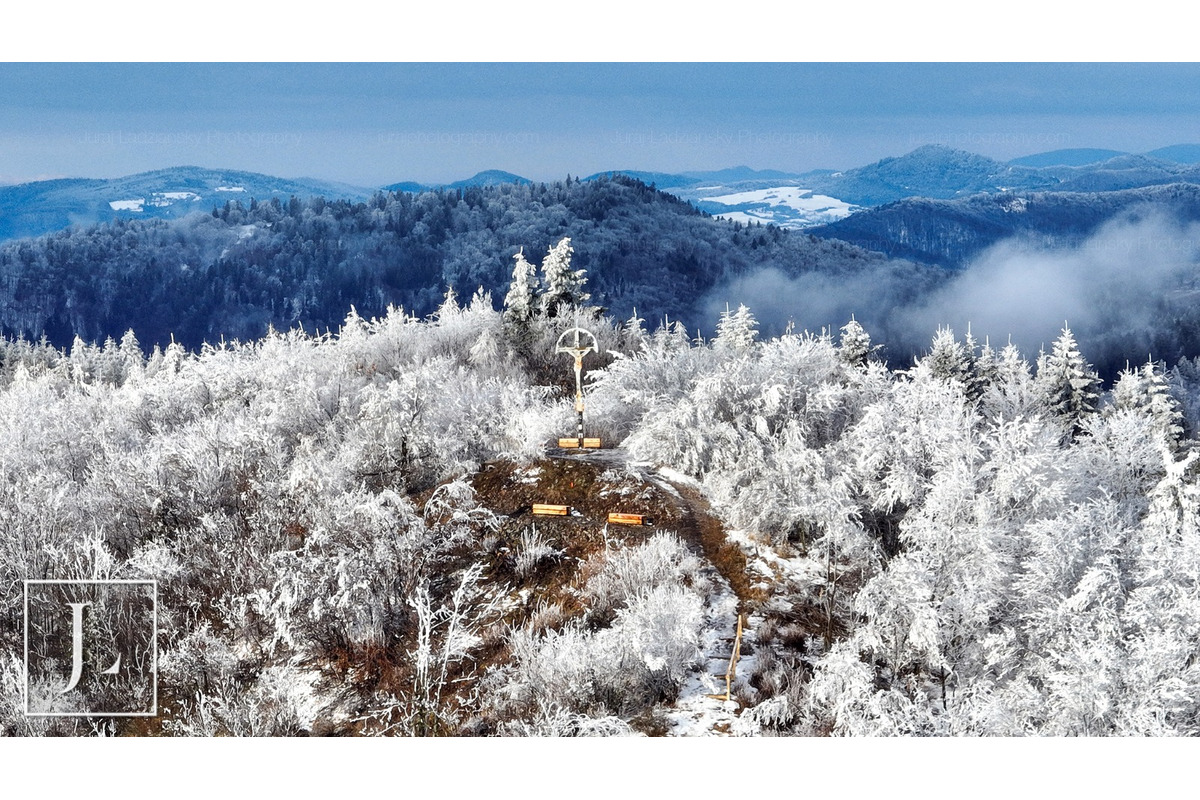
(627, 519)
(546, 509)
(591, 443)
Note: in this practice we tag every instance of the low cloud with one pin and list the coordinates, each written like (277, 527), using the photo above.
(1129, 291)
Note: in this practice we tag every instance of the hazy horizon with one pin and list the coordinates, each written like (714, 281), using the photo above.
(377, 124)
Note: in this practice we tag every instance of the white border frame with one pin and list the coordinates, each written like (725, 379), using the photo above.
(153, 712)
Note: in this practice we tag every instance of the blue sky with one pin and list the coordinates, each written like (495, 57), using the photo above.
(373, 124)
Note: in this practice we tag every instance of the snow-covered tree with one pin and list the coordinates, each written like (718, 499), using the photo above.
(1146, 391)
(855, 344)
(736, 330)
(564, 285)
(1159, 403)
(521, 302)
(1068, 383)
(949, 358)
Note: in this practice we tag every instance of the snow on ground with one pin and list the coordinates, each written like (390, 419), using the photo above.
(696, 713)
(528, 475)
(229, 189)
(767, 567)
(127, 205)
(164, 199)
(675, 476)
(304, 694)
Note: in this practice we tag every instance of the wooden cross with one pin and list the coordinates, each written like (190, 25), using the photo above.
(577, 349)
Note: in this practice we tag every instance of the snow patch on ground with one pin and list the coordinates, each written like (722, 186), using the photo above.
(675, 476)
(164, 199)
(763, 561)
(127, 205)
(306, 698)
(528, 476)
(229, 189)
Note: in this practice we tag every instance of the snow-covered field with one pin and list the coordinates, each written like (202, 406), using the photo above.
(785, 206)
(157, 199)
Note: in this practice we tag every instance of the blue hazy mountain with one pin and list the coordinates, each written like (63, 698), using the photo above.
(489, 177)
(929, 171)
(1071, 157)
(1086, 156)
(31, 209)
(659, 180)
(741, 174)
(1179, 153)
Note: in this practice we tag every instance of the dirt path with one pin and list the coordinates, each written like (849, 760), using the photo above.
(701, 528)
(697, 711)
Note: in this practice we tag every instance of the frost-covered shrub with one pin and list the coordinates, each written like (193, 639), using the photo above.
(348, 584)
(642, 658)
(532, 550)
(630, 571)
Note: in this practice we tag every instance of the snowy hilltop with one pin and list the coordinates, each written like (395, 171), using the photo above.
(342, 533)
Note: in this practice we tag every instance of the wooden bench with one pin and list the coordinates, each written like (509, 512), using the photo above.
(588, 443)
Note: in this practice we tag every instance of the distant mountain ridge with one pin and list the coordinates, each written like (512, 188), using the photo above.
(822, 197)
(31, 209)
(1071, 157)
(1085, 156)
(489, 177)
(741, 193)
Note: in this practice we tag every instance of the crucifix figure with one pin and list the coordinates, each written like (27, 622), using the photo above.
(578, 349)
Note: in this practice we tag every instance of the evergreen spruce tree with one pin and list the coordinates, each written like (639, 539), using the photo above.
(855, 347)
(1069, 384)
(986, 369)
(1163, 408)
(736, 330)
(948, 358)
(449, 309)
(634, 331)
(564, 286)
(1127, 392)
(521, 303)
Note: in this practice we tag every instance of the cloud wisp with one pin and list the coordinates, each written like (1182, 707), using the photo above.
(1129, 291)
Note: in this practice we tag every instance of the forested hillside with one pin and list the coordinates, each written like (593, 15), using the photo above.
(952, 232)
(233, 273)
(339, 528)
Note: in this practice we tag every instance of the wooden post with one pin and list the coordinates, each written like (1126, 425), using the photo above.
(731, 671)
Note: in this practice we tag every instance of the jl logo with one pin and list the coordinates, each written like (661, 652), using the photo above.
(77, 648)
(91, 648)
